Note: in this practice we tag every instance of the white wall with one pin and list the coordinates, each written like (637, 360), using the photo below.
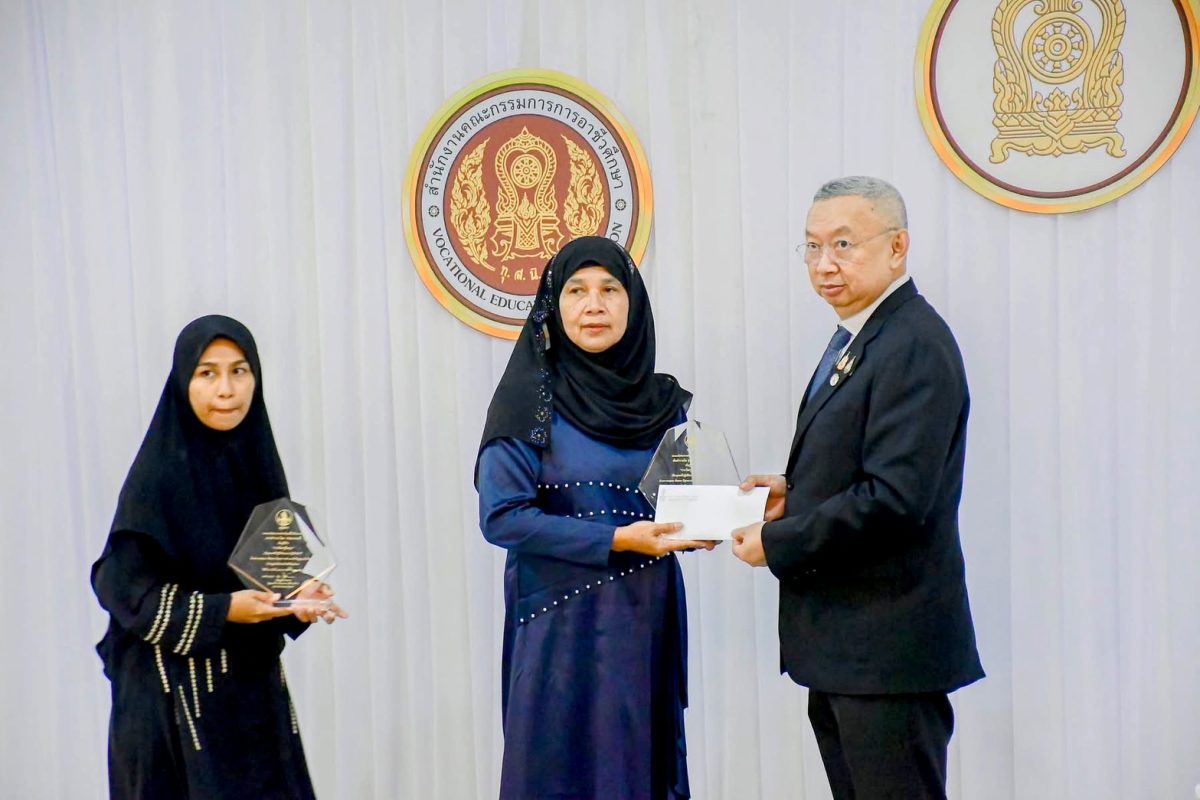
(160, 160)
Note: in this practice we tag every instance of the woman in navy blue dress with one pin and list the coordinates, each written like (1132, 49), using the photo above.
(594, 679)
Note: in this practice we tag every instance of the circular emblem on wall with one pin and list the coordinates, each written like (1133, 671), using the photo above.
(1058, 105)
(508, 171)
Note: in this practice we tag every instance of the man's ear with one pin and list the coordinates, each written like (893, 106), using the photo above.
(900, 244)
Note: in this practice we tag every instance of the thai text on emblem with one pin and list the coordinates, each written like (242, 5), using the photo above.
(521, 183)
(507, 172)
(1057, 50)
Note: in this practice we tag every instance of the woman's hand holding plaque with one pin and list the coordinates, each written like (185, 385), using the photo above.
(280, 554)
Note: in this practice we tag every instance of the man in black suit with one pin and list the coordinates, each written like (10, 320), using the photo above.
(862, 530)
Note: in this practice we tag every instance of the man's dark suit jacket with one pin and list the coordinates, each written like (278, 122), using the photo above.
(872, 590)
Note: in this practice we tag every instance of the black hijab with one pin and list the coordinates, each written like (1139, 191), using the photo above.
(614, 396)
(191, 488)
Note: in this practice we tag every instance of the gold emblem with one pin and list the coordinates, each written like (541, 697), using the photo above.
(527, 210)
(507, 172)
(584, 207)
(1057, 48)
(841, 365)
(1060, 89)
(284, 519)
(527, 217)
(470, 213)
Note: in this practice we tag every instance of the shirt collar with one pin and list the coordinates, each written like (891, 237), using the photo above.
(855, 322)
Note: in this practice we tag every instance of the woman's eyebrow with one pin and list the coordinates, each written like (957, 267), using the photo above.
(606, 279)
(240, 362)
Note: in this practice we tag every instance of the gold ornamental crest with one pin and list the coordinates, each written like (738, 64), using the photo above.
(512, 168)
(1088, 98)
(1057, 49)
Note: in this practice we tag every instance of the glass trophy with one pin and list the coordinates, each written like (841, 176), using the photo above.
(690, 454)
(279, 551)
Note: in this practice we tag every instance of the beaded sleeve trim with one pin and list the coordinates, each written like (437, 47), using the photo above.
(192, 624)
(188, 716)
(162, 618)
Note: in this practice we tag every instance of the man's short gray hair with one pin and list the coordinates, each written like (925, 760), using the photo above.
(884, 197)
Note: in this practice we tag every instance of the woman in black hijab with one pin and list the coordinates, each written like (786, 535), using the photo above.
(200, 705)
(595, 649)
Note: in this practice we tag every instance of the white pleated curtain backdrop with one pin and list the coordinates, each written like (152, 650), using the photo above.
(162, 160)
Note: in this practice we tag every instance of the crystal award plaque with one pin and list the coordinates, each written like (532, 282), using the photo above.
(693, 481)
(279, 551)
(690, 454)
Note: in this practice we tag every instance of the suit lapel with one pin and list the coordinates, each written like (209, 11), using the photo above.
(847, 365)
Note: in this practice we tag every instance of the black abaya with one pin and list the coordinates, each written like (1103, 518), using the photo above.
(200, 706)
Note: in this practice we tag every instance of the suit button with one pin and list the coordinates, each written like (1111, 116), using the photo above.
(790, 485)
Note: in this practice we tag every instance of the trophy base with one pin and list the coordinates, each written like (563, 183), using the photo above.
(321, 604)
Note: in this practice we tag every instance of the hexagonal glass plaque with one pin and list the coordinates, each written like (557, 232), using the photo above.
(690, 454)
(280, 551)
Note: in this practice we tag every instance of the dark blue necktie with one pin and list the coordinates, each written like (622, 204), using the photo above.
(840, 337)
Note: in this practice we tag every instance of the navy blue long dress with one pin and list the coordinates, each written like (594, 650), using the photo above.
(595, 642)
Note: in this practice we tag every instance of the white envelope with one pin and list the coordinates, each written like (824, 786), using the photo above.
(709, 512)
